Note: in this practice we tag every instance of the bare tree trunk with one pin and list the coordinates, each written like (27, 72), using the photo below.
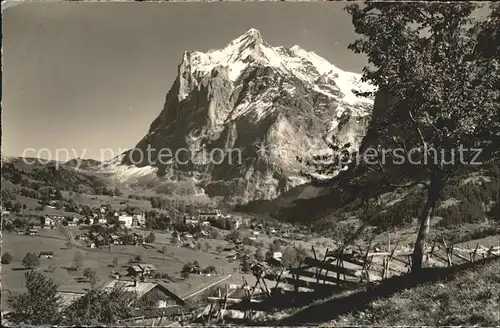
(425, 220)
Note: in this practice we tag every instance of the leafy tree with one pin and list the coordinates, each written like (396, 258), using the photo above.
(40, 304)
(150, 238)
(174, 240)
(17, 207)
(6, 258)
(8, 205)
(210, 269)
(86, 210)
(289, 257)
(115, 262)
(214, 233)
(245, 265)
(101, 307)
(442, 92)
(117, 192)
(233, 236)
(275, 246)
(185, 274)
(68, 244)
(18, 223)
(7, 195)
(30, 261)
(138, 258)
(259, 254)
(219, 248)
(90, 275)
(59, 205)
(78, 260)
(301, 253)
(164, 250)
(59, 195)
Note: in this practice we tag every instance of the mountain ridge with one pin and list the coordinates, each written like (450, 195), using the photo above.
(249, 96)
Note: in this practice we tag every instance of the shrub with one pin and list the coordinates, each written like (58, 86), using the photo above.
(6, 258)
(150, 238)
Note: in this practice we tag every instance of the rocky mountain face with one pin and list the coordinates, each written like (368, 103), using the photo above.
(236, 119)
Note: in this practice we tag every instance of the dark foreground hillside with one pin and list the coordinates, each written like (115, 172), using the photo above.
(463, 295)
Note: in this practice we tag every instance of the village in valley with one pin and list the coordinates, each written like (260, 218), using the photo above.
(285, 165)
(167, 260)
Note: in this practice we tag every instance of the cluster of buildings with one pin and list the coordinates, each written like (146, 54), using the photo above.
(136, 280)
(101, 239)
(102, 215)
(141, 270)
(105, 214)
(206, 218)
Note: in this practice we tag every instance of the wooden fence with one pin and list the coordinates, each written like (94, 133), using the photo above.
(342, 267)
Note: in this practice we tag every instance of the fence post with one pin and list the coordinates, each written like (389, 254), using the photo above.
(447, 252)
(384, 265)
(473, 256)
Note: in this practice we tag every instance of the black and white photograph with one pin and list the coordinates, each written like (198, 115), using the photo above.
(250, 163)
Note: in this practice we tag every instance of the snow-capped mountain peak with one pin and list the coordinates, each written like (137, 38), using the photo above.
(236, 99)
(250, 48)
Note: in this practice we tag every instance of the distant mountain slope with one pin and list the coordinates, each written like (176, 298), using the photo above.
(34, 174)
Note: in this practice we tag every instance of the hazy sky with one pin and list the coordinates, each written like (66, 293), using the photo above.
(95, 75)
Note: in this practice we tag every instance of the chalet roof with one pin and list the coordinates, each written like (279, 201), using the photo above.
(208, 213)
(46, 253)
(147, 266)
(136, 268)
(32, 230)
(141, 288)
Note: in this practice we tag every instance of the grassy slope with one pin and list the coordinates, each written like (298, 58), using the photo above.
(449, 296)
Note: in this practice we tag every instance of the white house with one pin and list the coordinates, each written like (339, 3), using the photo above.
(193, 222)
(140, 219)
(116, 239)
(278, 256)
(126, 220)
(49, 221)
(105, 208)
